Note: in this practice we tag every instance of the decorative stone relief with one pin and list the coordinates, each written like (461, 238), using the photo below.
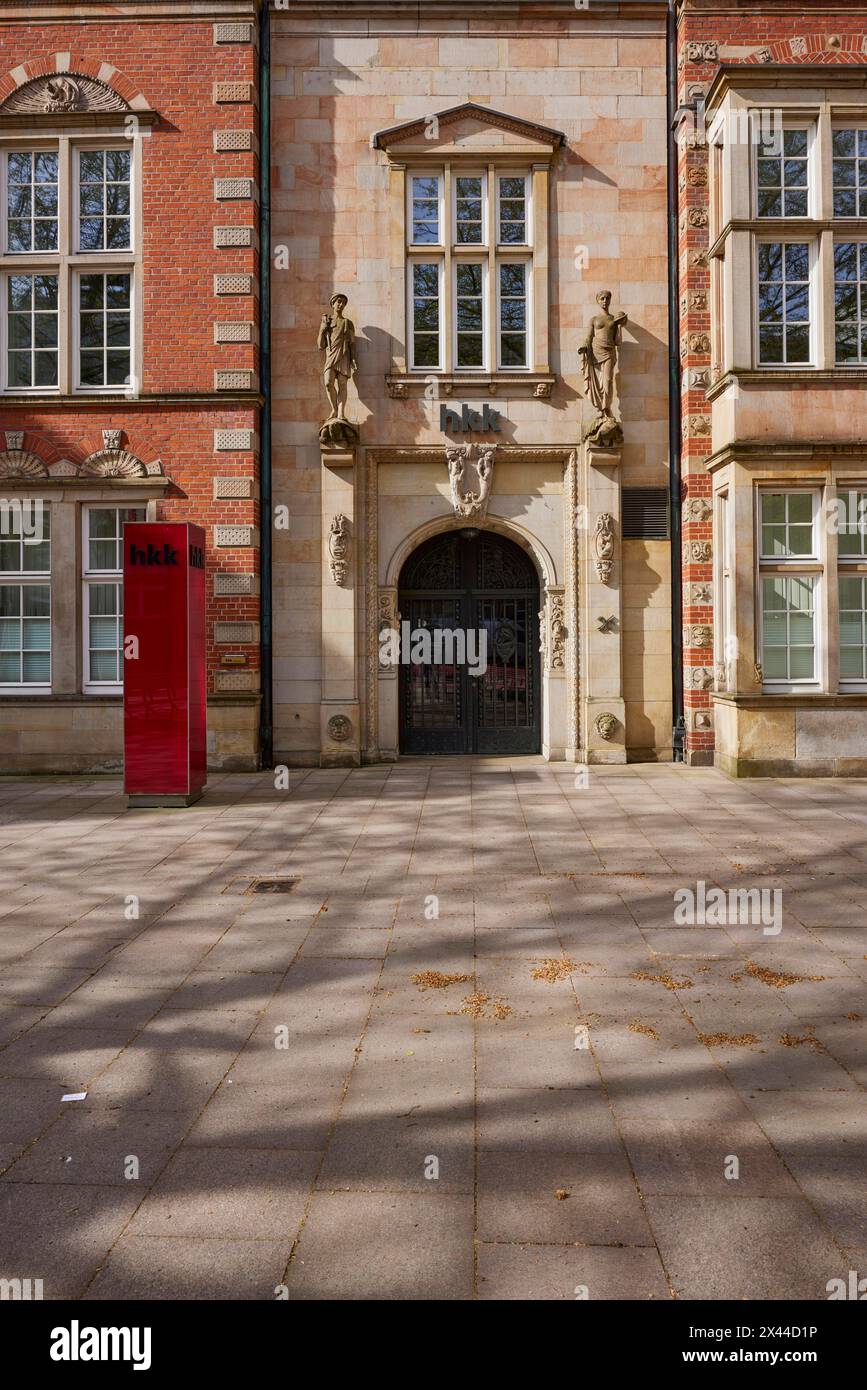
(758, 673)
(111, 439)
(60, 93)
(696, 177)
(232, 236)
(698, 301)
(470, 504)
(14, 439)
(607, 624)
(698, 677)
(16, 463)
(696, 509)
(697, 217)
(606, 726)
(698, 635)
(700, 593)
(112, 463)
(697, 552)
(721, 676)
(226, 190)
(603, 544)
(702, 51)
(542, 390)
(699, 426)
(398, 390)
(703, 719)
(699, 376)
(558, 632)
(543, 635)
(338, 548)
(699, 260)
(339, 728)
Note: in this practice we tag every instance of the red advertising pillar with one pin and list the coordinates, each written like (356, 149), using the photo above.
(164, 688)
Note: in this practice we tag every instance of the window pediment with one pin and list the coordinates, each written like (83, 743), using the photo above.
(469, 129)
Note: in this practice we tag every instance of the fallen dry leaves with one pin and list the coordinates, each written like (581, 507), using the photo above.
(435, 979)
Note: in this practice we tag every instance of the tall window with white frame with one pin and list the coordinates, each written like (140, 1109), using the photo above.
(102, 548)
(790, 569)
(469, 270)
(784, 292)
(25, 598)
(782, 173)
(850, 301)
(852, 586)
(69, 249)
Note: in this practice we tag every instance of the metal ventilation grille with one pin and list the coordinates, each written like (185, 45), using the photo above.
(645, 513)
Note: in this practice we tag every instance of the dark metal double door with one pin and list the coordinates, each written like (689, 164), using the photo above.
(478, 583)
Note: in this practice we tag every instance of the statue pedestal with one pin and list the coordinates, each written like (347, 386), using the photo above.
(339, 712)
(603, 711)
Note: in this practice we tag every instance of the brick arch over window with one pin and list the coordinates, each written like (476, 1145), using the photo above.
(811, 48)
(75, 66)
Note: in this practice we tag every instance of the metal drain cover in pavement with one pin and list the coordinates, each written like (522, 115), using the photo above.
(271, 885)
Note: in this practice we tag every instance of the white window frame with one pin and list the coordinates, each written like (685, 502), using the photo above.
(515, 246)
(5, 277)
(814, 291)
(115, 388)
(855, 123)
(724, 587)
(90, 577)
(439, 175)
(840, 239)
(811, 566)
(810, 125)
(527, 263)
(68, 262)
(22, 579)
(439, 262)
(75, 204)
(468, 173)
(31, 149)
(484, 262)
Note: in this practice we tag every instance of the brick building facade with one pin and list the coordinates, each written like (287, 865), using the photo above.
(130, 271)
(470, 178)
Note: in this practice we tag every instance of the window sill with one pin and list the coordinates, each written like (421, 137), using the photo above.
(790, 699)
(410, 385)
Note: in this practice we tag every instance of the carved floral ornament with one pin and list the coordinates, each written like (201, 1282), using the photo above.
(112, 461)
(61, 93)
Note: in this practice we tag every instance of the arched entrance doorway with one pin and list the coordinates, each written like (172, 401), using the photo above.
(479, 582)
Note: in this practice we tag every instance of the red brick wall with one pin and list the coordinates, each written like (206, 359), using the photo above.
(767, 35)
(174, 66)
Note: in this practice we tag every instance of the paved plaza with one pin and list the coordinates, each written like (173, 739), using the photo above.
(471, 1053)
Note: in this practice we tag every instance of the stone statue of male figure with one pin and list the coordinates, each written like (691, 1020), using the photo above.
(598, 355)
(337, 337)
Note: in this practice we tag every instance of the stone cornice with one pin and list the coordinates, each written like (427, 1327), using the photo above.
(43, 11)
(505, 453)
(23, 404)
(738, 76)
(768, 454)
